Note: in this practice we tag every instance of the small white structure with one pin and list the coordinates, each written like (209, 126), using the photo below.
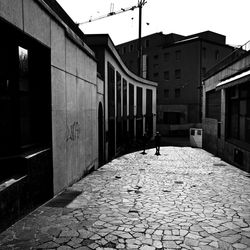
(195, 135)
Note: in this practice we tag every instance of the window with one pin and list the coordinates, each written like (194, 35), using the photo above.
(149, 111)
(213, 105)
(156, 74)
(118, 94)
(118, 109)
(166, 93)
(124, 98)
(238, 112)
(138, 101)
(131, 100)
(131, 47)
(155, 65)
(203, 71)
(111, 91)
(177, 93)
(177, 74)
(156, 57)
(204, 52)
(177, 55)
(25, 95)
(131, 110)
(166, 75)
(146, 43)
(124, 50)
(217, 55)
(125, 104)
(166, 57)
(139, 120)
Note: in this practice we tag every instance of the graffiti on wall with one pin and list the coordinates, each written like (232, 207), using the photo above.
(73, 131)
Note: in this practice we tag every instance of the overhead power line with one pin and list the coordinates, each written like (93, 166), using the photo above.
(111, 13)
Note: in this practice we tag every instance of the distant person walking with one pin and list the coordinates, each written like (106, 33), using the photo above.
(144, 142)
(157, 143)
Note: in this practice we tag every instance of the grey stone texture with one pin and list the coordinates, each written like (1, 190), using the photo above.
(185, 198)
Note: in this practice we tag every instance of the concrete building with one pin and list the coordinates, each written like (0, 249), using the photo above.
(130, 101)
(177, 63)
(60, 119)
(48, 104)
(226, 108)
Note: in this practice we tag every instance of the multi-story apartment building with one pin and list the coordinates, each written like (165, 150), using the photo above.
(178, 64)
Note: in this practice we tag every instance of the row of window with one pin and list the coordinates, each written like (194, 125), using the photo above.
(166, 74)
(177, 93)
(123, 89)
(178, 54)
(177, 74)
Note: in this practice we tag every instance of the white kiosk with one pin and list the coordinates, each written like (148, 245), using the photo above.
(195, 135)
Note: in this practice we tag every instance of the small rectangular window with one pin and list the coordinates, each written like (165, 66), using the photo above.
(124, 50)
(204, 52)
(166, 75)
(156, 56)
(177, 55)
(131, 47)
(203, 71)
(146, 43)
(177, 74)
(166, 57)
(156, 74)
(166, 93)
(217, 55)
(177, 93)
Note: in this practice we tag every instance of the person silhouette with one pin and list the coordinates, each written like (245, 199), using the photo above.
(157, 143)
(144, 142)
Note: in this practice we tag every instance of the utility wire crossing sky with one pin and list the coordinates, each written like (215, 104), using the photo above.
(185, 17)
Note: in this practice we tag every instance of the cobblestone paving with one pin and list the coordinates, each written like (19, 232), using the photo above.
(183, 199)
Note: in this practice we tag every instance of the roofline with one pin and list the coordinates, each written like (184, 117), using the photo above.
(108, 43)
(213, 71)
(73, 32)
(134, 40)
(189, 40)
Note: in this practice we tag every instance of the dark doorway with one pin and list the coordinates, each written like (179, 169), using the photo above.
(100, 135)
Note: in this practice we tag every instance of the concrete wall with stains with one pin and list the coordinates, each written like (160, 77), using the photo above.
(74, 118)
(73, 87)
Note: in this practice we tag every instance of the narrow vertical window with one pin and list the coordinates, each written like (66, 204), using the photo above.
(177, 55)
(177, 93)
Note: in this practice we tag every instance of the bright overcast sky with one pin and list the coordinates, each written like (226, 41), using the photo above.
(185, 17)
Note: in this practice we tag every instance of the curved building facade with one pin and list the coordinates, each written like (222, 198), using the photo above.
(130, 101)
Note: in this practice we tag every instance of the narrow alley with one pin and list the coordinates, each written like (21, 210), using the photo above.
(185, 198)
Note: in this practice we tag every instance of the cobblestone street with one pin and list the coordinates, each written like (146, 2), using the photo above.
(183, 199)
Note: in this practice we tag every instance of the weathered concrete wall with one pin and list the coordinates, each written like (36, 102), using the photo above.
(77, 132)
(12, 11)
(36, 22)
(228, 155)
(209, 139)
(73, 89)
